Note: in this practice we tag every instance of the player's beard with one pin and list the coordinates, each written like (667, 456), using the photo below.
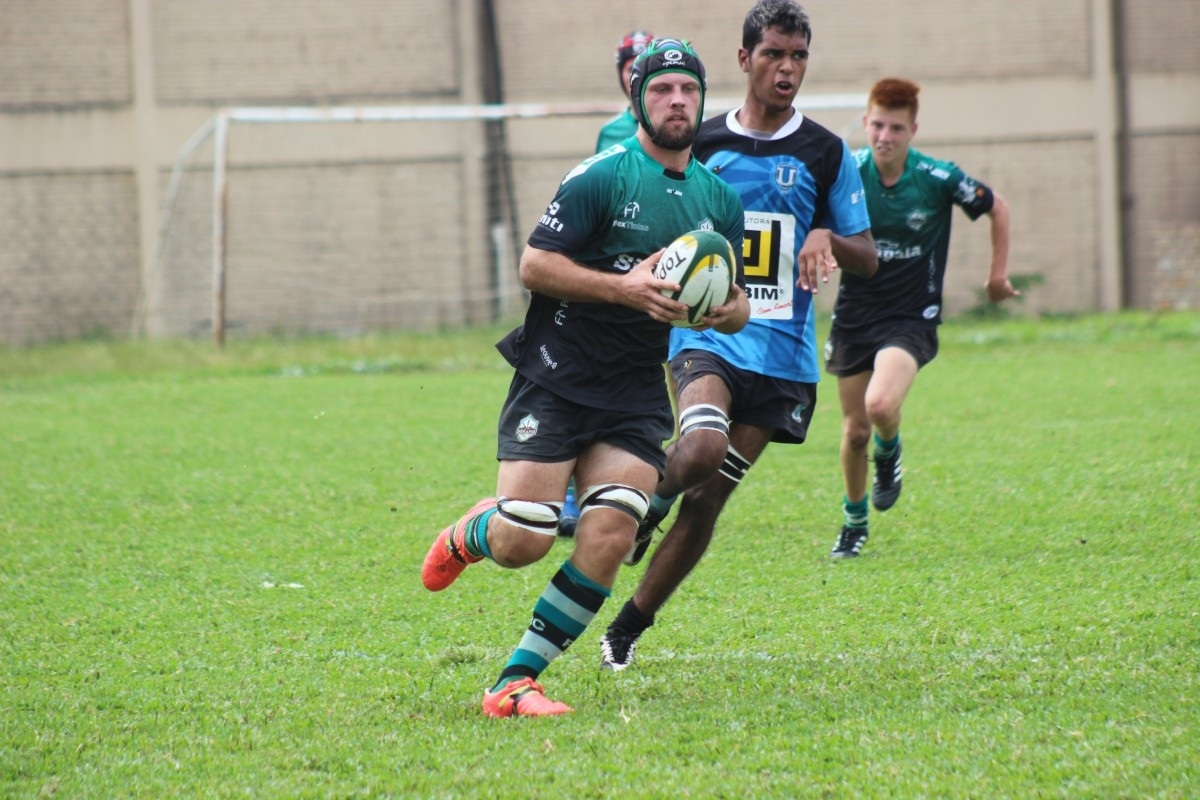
(673, 141)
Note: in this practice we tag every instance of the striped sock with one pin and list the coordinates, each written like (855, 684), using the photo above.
(475, 536)
(856, 512)
(560, 617)
(884, 449)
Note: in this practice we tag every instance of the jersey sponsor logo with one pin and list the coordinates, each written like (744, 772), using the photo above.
(916, 220)
(546, 359)
(549, 220)
(628, 219)
(625, 262)
(527, 428)
(857, 197)
(768, 256)
(939, 173)
(888, 250)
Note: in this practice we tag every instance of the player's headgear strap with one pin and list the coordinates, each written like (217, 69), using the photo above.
(665, 55)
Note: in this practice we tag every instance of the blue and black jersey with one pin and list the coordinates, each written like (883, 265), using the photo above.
(801, 178)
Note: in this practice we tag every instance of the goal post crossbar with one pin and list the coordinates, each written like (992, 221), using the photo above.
(443, 113)
(217, 128)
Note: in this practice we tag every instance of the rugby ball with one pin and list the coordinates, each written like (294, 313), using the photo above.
(702, 263)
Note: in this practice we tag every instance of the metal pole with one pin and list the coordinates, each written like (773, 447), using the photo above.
(220, 145)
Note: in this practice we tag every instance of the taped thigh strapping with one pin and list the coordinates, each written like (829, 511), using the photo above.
(703, 417)
(531, 515)
(735, 465)
(633, 502)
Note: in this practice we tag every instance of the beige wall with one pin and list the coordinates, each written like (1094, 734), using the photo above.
(370, 226)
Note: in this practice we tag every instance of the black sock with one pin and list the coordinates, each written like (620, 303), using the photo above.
(630, 620)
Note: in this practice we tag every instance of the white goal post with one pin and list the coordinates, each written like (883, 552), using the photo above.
(301, 257)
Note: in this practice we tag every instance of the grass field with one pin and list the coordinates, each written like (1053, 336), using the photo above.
(209, 586)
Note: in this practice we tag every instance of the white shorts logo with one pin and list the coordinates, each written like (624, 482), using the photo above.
(527, 428)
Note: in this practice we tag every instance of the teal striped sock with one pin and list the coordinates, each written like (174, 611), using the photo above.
(475, 536)
(661, 506)
(856, 513)
(884, 449)
(560, 616)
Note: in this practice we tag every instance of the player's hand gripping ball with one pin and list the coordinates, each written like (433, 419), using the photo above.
(702, 263)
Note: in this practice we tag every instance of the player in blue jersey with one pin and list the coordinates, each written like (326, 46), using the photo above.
(884, 330)
(805, 216)
(588, 395)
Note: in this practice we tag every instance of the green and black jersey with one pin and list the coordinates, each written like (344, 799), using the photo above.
(609, 214)
(911, 225)
(616, 130)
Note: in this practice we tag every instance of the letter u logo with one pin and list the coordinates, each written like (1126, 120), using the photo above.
(785, 176)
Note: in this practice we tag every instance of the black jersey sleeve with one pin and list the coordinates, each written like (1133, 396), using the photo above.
(973, 197)
(578, 209)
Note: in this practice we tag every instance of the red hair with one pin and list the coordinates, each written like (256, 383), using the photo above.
(894, 93)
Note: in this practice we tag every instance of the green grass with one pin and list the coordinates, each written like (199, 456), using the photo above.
(208, 585)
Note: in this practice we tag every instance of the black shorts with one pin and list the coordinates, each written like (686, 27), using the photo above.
(844, 359)
(786, 407)
(538, 425)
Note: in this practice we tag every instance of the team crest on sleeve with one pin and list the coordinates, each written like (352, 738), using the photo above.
(527, 428)
(966, 190)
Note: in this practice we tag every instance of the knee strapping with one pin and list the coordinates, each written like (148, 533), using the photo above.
(633, 502)
(735, 465)
(531, 515)
(703, 417)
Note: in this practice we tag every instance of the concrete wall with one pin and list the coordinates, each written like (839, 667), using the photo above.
(369, 226)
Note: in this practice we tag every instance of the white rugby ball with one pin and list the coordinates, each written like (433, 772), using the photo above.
(702, 263)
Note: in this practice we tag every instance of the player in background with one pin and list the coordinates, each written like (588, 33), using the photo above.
(625, 124)
(615, 130)
(805, 216)
(884, 330)
(588, 396)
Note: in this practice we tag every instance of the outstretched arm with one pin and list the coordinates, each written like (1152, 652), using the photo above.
(824, 251)
(998, 287)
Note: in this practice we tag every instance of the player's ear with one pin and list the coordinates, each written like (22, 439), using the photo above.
(744, 59)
